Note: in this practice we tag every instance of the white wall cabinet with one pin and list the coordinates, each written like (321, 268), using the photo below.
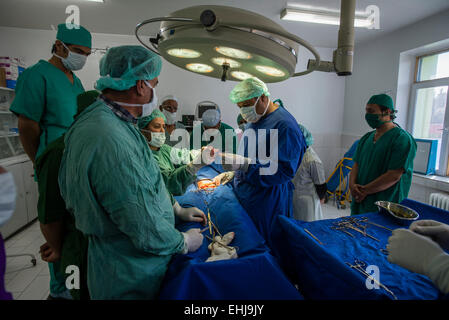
(27, 195)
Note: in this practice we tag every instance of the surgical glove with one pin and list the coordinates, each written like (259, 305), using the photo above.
(192, 214)
(193, 239)
(201, 158)
(224, 178)
(234, 162)
(439, 232)
(412, 251)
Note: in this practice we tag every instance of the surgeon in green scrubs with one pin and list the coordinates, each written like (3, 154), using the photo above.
(383, 162)
(45, 103)
(65, 244)
(112, 184)
(178, 166)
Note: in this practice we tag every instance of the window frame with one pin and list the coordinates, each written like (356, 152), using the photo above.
(418, 64)
(444, 152)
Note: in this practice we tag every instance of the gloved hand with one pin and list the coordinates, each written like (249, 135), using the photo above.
(234, 162)
(439, 232)
(201, 158)
(412, 251)
(192, 240)
(224, 178)
(189, 214)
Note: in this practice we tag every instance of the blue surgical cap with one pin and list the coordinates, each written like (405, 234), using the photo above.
(121, 67)
(211, 117)
(307, 135)
(143, 122)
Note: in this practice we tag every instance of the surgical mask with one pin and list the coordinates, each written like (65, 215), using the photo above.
(373, 120)
(170, 116)
(7, 196)
(250, 114)
(147, 108)
(74, 61)
(157, 139)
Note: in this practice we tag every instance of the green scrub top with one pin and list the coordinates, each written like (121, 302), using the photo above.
(51, 208)
(44, 94)
(223, 146)
(176, 176)
(112, 184)
(394, 150)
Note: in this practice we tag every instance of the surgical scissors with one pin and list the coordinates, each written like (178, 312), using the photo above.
(361, 266)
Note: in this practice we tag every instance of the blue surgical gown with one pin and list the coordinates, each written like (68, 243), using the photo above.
(266, 196)
(111, 182)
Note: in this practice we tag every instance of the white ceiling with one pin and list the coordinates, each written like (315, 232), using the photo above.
(121, 16)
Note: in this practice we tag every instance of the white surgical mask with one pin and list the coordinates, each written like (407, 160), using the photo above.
(250, 114)
(170, 116)
(157, 139)
(7, 196)
(74, 61)
(147, 108)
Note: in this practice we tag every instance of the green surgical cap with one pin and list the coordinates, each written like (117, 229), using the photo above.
(121, 67)
(248, 89)
(74, 34)
(307, 135)
(382, 100)
(143, 122)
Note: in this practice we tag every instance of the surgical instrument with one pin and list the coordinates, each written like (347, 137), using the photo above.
(360, 266)
(310, 233)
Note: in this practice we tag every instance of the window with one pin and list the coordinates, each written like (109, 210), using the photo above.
(429, 101)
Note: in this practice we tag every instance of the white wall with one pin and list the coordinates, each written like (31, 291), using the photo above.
(386, 64)
(376, 68)
(316, 100)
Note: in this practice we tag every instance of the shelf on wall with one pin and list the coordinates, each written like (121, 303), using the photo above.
(6, 89)
(9, 135)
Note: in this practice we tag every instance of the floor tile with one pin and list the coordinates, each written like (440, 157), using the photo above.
(37, 289)
(22, 280)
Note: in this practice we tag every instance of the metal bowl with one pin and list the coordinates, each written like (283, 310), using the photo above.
(400, 213)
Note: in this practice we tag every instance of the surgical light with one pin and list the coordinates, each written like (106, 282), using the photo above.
(248, 38)
(233, 53)
(184, 53)
(199, 67)
(270, 71)
(232, 63)
(241, 75)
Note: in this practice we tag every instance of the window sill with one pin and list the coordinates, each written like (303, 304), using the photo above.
(432, 181)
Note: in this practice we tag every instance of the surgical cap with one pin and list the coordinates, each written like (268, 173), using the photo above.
(74, 34)
(211, 117)
(248, 89)
(121, 67)
(85, 99)
(169, 97)
(382, 100)
(307, 135)
(143, 122)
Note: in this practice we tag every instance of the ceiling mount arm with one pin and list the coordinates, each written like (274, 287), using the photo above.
(160, 19)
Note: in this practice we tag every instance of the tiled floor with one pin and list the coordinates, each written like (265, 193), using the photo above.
(26, 282)
(22, 279)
